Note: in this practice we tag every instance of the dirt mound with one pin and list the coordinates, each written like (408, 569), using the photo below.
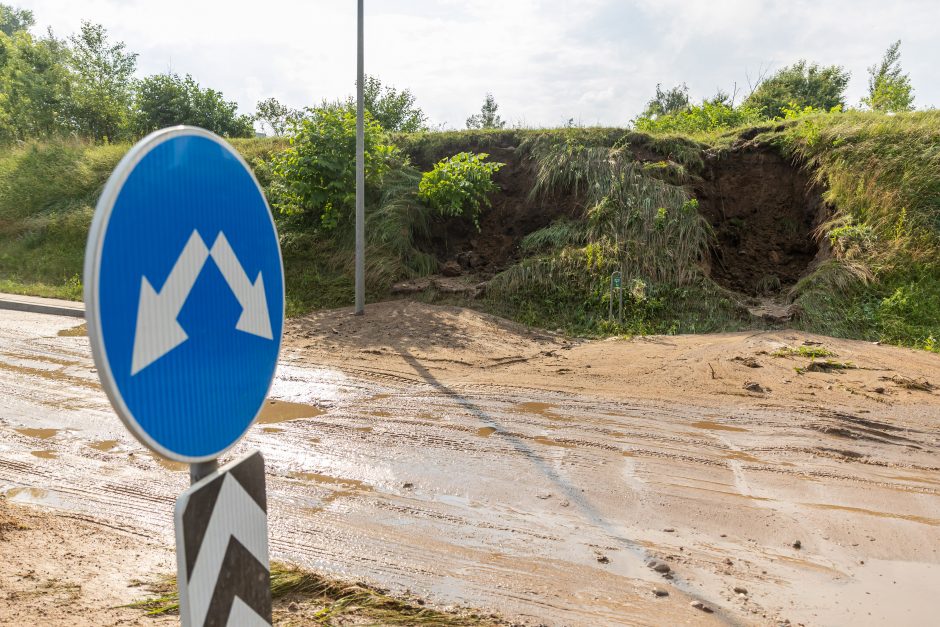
(709, 369)
(410, 330)
(764, 210)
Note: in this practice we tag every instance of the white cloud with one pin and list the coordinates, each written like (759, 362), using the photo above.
(597, 61)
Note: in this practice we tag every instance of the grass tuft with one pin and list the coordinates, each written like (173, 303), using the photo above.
(337, 602)
(812, 352)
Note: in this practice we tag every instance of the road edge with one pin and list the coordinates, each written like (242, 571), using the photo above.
(35, 304)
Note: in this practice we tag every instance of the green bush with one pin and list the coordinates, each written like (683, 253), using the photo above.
(709, 116)
(316, 174)
(460, 185)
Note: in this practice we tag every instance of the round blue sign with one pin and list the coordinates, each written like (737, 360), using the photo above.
(184, 293)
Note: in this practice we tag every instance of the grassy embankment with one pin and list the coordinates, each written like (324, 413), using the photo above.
(881, 173)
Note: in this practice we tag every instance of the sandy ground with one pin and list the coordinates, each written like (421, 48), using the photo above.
(62, 568)
(475, 462)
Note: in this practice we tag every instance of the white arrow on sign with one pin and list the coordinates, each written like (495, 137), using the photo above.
(251, 297)
(158, 332)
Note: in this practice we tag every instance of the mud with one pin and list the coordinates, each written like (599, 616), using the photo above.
(41, 434)
(282, 411)
(486, 478)
(79, 331)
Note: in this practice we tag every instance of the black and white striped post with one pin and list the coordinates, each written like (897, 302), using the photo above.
(223, 572)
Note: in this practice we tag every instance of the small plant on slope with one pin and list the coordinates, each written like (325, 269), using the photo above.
(460, 185)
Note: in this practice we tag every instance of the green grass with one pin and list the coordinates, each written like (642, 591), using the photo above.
(882, 174)
(333, 602)
(813, 352)
(47, 197)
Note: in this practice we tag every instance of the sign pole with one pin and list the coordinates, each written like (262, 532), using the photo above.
(616, 283)
(620, 312)
(202, 470)
(360, 178)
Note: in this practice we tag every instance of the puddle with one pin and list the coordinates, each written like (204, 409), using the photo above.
(933, 522)
(548, 442)
(104, 445)
(167, 464)
(79, 331)
(44, 454)
(742, 456)
(343, 487)
(52, 375)
(363, 429)
(539, 409)
(715, 426)
(41, 434)
(486, 432)
(311, 386)
(26, 494)
(272, 430)
(282, 411)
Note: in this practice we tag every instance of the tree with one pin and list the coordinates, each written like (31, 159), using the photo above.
(276, 116)
(394, 110)
(34, 86)
(799, 86)
(666, 102)
(101, 92)
(13, 20)
(888, 88)
(487, 117)
(167, 100)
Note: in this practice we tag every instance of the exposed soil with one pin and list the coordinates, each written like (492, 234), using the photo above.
(512, 216)
(705, 369)
(762, 207)
(764, 210)
(66, 569)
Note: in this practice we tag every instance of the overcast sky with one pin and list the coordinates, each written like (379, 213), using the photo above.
(545, 61)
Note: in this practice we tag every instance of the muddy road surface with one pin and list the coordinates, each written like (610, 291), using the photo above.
(771, 477)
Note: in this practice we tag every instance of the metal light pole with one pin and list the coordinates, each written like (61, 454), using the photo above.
(360, 182)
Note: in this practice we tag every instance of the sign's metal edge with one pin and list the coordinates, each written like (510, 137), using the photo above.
(93, 251)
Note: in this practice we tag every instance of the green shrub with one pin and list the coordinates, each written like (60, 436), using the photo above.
(460, 185)
(704, 118)
(316, 175)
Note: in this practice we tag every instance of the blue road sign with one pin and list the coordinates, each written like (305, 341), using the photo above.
(184, 293)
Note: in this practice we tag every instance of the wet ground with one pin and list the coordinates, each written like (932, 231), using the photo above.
(540, 504)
